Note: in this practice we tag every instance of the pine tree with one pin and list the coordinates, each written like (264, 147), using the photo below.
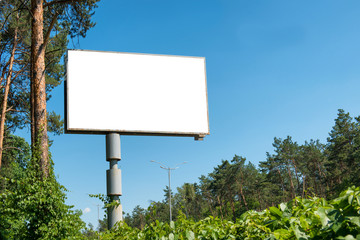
(340, 151)
(73, 16)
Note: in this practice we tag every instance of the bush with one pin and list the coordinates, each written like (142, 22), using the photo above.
(34, 208)
(301, 218)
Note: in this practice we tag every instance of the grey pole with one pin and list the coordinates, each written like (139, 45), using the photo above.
(169, 171)
(170, 194)
(113, 177)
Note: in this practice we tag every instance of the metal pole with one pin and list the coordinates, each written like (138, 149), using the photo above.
(170, 195)
(98, 205)
(113, 178)
(169, 169)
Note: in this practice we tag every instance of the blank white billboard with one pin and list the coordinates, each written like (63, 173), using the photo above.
(132, 93)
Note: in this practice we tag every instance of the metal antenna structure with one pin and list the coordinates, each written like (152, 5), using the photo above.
(169, 169)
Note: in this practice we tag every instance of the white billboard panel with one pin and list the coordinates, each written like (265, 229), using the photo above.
(133, 93)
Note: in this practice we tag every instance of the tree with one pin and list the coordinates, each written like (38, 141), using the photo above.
(13, 38)
(186, 196)
(239, 177)
(356, 155)
(102, 225)
(89, 232)
(312, 164)
(341, 150)
(208, 198)
(32, 202)
(137, 218)
(20, 39)
(284, 161)
(74, 17)
(273, 173)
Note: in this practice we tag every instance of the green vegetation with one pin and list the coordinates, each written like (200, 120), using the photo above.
(292, 170)
(33, 39)
(235, 201)
(285, 197)
(301, 218)
(30, 207)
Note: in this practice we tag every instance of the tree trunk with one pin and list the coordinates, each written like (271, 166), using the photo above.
(220, 204)
(38, 88)
(318, 189)
(322, 180)
(291, 183)
(262, 206)
(210, 204)
(303, 190)
(242, 194)
(296, 174)
(282, 183)
(6, 94)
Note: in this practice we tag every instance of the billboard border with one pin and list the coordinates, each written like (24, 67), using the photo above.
(196, 135)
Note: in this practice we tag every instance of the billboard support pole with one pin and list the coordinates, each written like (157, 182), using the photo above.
(113, 178)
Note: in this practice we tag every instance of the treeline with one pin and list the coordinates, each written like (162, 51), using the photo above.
(292, 170)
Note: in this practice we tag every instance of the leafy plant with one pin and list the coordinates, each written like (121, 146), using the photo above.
(301, 218)
(31, 208)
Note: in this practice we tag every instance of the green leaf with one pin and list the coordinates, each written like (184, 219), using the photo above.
(355, 220)
(350, 199)
(281, 233)
(298, 233)
(347, 237)
(275, 211)
(336, 226)
(190, 235)
(321, 212)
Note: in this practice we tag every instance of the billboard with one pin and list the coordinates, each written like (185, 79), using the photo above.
(132, 93)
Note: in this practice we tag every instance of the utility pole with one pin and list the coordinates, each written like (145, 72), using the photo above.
(169, 175)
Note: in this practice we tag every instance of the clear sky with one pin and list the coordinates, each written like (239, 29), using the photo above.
(274, 68)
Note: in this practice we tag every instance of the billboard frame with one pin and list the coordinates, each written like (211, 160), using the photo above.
(196, 135)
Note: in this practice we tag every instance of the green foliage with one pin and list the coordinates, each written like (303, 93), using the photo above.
(301, 218)
(308, 174)
(34, 208)
(16, 155)
(342, 153)
(63, 20)
(55, 123)
(108, 203)
(291, 171)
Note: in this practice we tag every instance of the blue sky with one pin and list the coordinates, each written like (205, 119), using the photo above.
(274, 68)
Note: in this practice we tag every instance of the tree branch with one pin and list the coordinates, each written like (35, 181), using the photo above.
(47, 36)
(52, 51)
(14, 110)
(13, 148)
(60, 2)
(7, 17)
(32, 15)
